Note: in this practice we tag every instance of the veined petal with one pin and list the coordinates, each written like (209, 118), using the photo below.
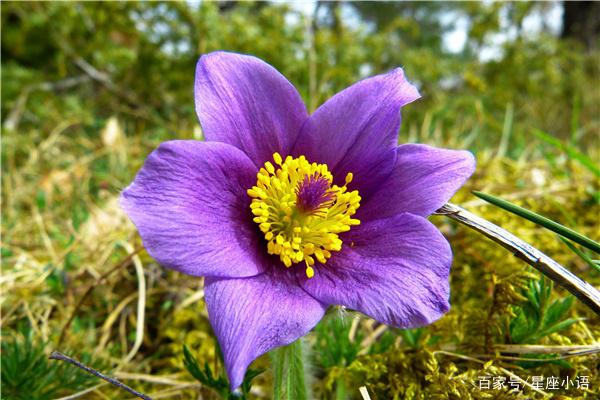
(423, 179)
(356, 130)
(245, 102)
(190, 206)
(394, 270)
(251, 316)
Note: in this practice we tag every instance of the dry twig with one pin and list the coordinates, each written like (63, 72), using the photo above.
(55, 355)
(532, 256)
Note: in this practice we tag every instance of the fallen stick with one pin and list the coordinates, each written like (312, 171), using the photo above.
(585, 292)
(55, 355)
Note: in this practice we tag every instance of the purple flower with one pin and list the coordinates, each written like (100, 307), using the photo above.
(285, 214)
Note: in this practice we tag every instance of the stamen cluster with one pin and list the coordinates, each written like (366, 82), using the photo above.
(300, 210)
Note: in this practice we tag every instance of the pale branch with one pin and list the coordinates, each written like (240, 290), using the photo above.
(564, 351)
(532, 256)
(55, 355)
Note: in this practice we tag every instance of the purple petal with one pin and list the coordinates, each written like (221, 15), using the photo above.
(245, 102)
(251, 316)
(423, 179)
(393, 270)
(357, 129)
(190, 206)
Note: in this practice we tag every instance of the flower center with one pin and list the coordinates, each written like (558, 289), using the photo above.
(300, 211)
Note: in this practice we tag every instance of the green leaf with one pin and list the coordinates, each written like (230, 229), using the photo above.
(79, 215)
(56, 281)
(219, 384)
(40, 200)
(27, 373)
(561, 326)
(557, 311)
(571, 151)
(249, 377)
(535, 364)
(522, 327)
(5, 252)
(412, 337)
(540, 220)
(581, 254)
(191, 364)
(333, 346)
(386, 340)
(537, 317)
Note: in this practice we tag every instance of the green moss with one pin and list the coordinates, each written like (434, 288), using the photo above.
(62, 227)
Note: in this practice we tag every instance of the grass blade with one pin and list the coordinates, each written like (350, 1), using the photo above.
(540, 220)
(571, 151)
(506, 131)
(581, 254)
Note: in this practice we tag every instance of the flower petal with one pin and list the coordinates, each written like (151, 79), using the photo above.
(251, 316)
(357, 129)
(393, 270)
(247, 103)
(190, 206)
(423, 179)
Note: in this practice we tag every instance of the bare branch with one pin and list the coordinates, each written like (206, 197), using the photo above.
(55, 355)
(532, 256)
(564, 351)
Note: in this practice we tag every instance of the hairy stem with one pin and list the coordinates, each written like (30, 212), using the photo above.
(340, 389)
(289, 378)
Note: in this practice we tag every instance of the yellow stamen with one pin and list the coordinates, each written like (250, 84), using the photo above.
(300, 234)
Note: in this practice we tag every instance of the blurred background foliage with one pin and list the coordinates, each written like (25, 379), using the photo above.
(89, 89)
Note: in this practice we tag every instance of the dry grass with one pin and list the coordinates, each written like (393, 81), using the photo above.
(72, 275)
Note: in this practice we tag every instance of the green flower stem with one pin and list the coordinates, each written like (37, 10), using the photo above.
(289, 372)
(340, 389)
